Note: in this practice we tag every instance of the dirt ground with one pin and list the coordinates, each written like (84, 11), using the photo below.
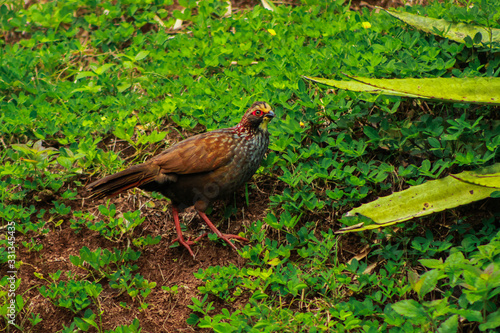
(158, 263)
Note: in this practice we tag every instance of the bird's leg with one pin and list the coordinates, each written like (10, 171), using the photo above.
(180, 238)
(225, 237)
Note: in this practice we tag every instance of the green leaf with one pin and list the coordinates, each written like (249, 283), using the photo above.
(358, 86)
(432, 263)
(84, 74)
(482, 90)
(492, 321)
(371, 133)
(141, 55)
(121, 88)
(65, 162)
(90, 322)
(433, 196)
(259, 295)
(427, 282)
(19, 303)
(489, 176)
(193, 319)
(409, 308)
(450, 325)
(103, 68)
(454, 31)
(75, 260)
(434, 143)
(470, 315)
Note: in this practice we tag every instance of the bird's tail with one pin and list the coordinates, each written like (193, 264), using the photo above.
(119, 182)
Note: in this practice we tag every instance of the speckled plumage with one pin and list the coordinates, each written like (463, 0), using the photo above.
(201, 169)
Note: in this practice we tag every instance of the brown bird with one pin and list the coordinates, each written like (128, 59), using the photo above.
(199, 170)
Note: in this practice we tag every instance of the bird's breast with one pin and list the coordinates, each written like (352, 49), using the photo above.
(244, 152)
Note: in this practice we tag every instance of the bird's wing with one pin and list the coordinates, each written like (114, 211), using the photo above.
(201, 153)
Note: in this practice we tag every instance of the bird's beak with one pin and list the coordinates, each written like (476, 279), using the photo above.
(270, 114)
(266, 120)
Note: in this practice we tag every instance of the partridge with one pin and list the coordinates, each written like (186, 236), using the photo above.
(199, 170)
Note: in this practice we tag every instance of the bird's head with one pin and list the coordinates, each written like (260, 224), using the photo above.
(257, 116)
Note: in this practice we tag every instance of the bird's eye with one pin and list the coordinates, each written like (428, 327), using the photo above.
(257, 113)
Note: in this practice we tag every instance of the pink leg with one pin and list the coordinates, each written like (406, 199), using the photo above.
(225, 237)
(180, 238)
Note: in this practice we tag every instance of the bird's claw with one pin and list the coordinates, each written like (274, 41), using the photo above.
(188, 242)
(227, 237)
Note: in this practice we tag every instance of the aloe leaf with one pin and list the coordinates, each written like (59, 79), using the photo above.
(454, 31)
(480, 90)
(489, 177)
(358, 86)
(431, 197)
(269, 5)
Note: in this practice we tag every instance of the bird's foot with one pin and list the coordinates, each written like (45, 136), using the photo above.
(187, 243)
(227, 237)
